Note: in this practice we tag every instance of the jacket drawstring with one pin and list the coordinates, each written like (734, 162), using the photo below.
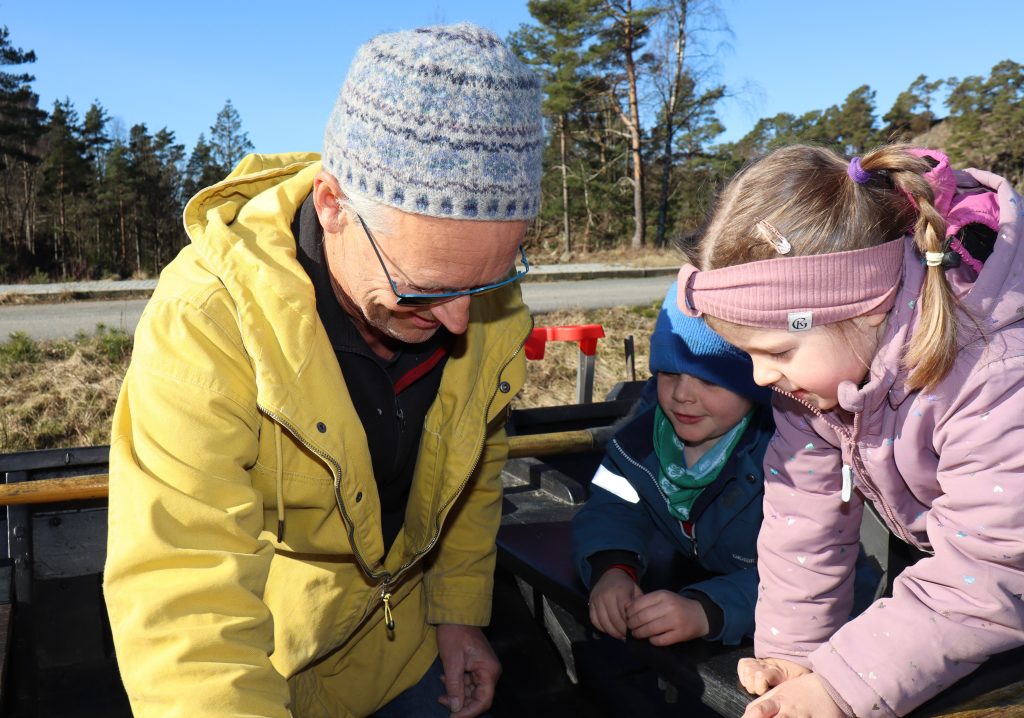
(280, 482)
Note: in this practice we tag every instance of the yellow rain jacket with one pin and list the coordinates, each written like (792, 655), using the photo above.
(234, 407)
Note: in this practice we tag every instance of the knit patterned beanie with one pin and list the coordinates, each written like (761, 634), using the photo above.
(687, 345)
(441, 121)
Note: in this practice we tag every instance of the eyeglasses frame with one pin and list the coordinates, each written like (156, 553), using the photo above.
(423, 300)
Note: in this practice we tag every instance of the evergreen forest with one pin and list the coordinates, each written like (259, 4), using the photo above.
(634, 155)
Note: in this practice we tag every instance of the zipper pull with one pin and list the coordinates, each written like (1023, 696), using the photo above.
(847, 483)
(389, 618)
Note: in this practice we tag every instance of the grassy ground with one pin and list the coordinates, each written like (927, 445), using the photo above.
(60, 393)
(646, 257)
(57, 394)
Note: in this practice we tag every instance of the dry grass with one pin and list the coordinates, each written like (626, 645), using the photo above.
(56, 394)
(60, 393)
(623, 256)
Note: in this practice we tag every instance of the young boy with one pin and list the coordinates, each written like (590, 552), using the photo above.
(688, 467)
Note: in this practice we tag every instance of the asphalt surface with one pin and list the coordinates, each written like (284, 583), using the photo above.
(67, 318)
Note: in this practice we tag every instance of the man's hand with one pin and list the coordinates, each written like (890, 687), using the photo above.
(759, 674)
(471, 669)
(801, 697)
(666, 618)
(608, 601)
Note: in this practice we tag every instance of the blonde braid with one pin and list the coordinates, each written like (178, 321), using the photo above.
(932, 350)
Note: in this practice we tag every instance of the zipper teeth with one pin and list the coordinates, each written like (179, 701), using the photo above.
(661, 493)
(390, 579)
(336, 471)
(858, 464)
(437, 529)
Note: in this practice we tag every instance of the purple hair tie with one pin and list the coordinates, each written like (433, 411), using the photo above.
(857, 173)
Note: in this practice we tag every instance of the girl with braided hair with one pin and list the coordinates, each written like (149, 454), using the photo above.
(882, 298)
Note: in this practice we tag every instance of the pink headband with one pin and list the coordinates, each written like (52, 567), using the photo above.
(796, 293)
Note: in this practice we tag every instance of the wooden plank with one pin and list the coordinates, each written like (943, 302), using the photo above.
(45, 491)
(95, 486)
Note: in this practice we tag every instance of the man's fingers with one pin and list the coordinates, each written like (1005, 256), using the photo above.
(454, 682)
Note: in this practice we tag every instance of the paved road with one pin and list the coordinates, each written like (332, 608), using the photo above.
(65, 319)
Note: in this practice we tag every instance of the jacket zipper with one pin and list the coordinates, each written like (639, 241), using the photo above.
(336, 472)
(391, 579)
(858, 464)
(661, 493)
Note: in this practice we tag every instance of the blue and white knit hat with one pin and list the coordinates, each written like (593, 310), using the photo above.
(687, 345)
(441, 121)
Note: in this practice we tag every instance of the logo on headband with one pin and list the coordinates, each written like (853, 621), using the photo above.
(799, 321)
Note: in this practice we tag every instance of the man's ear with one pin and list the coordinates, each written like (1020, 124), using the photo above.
(327, 198)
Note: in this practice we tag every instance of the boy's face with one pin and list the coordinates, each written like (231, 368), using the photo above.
(700, 412)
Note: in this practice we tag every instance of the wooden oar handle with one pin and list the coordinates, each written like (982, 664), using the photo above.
(95, 486)
(48, 491)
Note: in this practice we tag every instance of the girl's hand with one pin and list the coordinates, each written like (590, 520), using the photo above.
(759, 674)
(666, 618)
(608, 601)
(802, 697)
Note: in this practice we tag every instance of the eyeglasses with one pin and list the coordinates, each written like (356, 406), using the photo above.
(424, 300)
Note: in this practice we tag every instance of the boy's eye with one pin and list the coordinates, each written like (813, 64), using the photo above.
(780, 354)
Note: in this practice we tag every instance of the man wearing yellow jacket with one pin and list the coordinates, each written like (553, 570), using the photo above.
(306, 453)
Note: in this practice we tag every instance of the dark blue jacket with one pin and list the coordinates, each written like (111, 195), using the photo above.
(726, 517)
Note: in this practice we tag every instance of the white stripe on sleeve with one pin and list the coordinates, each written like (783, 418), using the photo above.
(615, 484)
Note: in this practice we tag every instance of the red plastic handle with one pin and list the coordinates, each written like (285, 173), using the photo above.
(586, 335)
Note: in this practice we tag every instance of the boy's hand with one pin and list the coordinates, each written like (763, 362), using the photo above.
(801, 697)
(666, 618)
(608, 601)
(759, 674)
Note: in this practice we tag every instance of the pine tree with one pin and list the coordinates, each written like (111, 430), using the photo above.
(66, 180)
(987, 120)
(21, 127)
(626, 29)
(853, 123)
(228, 142)
(911, 113)
(201, 170)
(556, 50)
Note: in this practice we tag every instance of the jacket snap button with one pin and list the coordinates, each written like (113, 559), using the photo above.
(751, 478)
(359, 497)
(505, 387)
(321, 427)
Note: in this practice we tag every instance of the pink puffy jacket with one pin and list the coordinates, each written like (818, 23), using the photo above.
(944, 468)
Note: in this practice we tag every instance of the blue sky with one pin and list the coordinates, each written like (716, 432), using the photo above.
(174, 64)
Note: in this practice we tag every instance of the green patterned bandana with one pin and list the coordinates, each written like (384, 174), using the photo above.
(683, 485)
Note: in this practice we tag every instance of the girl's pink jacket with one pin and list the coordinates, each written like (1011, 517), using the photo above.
(944, 468)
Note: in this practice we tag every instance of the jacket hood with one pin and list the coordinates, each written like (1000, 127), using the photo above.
(242, 227)
(994, 297)
(996, 292)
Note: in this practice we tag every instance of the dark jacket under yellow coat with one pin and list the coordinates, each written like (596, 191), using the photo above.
(234, 394)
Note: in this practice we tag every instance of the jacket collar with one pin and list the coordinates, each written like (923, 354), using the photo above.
(634, 441)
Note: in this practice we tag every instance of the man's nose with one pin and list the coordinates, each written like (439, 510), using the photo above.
(454, 315)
